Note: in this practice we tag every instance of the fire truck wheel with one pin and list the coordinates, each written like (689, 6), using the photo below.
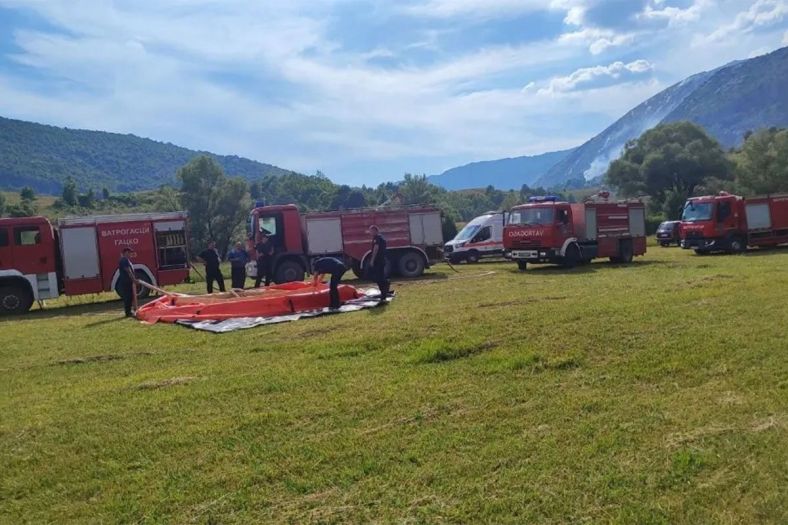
(472, 257)
(411, 264)
(15, 299)
(571, 256)
(625, 252)
(737, 245)
(289, 271)
(142, 291)
(522, 265)
(357, 270)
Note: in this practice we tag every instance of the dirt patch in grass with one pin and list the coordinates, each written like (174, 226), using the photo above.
(163, 383)
(97, 358)
(437, 351)
(708, 279)
(530, 300)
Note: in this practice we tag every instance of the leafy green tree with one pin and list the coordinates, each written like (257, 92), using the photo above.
(105, 193)
(217, 205)
(761, 164)
(668, 163)
(69, 192)
(167, 199)
(2, 204)
(27, 194)
(416, 189)
(255, 191)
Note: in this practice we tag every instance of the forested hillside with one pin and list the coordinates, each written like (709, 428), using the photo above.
(42, 157)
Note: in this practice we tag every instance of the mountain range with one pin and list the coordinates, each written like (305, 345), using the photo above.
(42, 156)
(508, 174)
(728, 101)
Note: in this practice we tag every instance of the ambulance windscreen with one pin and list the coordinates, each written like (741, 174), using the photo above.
(467, 233)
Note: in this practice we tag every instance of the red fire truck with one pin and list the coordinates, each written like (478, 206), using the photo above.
(413, 234)
(730, 223)
(80, 255)
(546, 230)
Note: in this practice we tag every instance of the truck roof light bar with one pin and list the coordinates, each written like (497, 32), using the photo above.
(544, 198)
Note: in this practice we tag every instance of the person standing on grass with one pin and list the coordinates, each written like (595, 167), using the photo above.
(127, 281)
(336, 269)
(377, 260)
(265, 255)
(210, 256)
(238, 258)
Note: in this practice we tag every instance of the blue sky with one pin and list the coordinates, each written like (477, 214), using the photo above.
(364, 90)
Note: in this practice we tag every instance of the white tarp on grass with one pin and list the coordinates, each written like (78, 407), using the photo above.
(369, 300)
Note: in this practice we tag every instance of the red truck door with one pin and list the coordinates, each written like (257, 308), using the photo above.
(30, 254)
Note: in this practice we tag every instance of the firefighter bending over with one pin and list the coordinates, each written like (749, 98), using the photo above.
(336, 269)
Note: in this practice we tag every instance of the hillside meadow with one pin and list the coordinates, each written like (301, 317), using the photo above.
(650, 393)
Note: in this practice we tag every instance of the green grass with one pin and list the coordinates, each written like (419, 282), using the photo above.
(649, 393)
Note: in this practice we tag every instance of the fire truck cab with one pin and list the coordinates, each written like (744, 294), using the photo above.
(730, 223)
(546, 230)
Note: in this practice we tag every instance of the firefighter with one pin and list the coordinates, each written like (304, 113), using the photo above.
(377, 261)
(336, 269)
(127, 281)
(210, 256)
(238, 258)
(265, 254)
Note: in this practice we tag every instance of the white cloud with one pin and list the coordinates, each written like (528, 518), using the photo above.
(785, 39)
(598, 40)
(453, 8)
(762, 13)
(674, 15)
(575, 15)
(590, 75)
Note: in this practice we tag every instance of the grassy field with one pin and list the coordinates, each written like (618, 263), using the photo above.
(649, 393)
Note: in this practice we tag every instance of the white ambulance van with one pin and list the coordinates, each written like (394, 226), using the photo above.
(482, 237)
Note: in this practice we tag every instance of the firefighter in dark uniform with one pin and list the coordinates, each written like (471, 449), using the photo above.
(265, 255)
(377, 260)
(336, 269)
(210, 256)
(238, 258)
(127, 281)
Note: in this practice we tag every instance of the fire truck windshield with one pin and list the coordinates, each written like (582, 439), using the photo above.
(532, 216)
(468, 232)
(697, 211)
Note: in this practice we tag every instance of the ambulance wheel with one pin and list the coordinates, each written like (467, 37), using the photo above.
(522, 265)
(411, 264)
(289, 271)
(142, 291)
(472, 257)
(15, 299)
(701, 252)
